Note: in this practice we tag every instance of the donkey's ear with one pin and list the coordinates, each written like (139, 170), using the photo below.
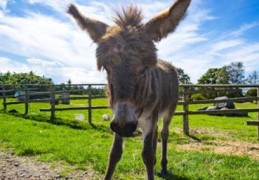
(95, 29)
(166, 22)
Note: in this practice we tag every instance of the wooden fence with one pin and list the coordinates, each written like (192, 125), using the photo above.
(189, 89)
(54, 93)
(186, 91)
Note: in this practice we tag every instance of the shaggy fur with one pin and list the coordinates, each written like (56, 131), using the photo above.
(141, 87)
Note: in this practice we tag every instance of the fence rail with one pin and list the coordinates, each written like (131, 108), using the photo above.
(52, 91)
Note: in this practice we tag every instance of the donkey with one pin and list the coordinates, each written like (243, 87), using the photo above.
(141, 87)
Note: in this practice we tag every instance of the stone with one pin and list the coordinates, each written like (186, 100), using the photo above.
(106, 117)
(212, 108)
(219, 105)
(203, 108)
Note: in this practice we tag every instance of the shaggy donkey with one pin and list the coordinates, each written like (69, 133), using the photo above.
(141, 87)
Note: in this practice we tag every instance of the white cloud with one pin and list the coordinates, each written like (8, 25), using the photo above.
(58, 5)
(226, 44)
(42, 63)
(53, 70)
(66, 52)
(12, 66)
(247, 53)
(244, 28)
(81, 75)
(46, 38)
(3, 4)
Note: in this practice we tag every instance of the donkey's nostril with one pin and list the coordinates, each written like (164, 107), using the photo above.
(114, 127)
(130, 128)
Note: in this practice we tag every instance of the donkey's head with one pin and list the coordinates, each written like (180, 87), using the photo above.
(125, 51)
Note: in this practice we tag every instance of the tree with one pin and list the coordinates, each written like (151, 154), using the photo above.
(235, 73)
(232, 73)
(253, 78)
(222, 76)
(20, 79)
(210, 77)
(229, 74)
(183, 78)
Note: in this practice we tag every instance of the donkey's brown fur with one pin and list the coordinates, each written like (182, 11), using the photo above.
(141, 88)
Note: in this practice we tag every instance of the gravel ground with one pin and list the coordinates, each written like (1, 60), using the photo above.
(18, 168)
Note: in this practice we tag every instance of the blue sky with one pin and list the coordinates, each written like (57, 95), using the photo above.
(38, 36)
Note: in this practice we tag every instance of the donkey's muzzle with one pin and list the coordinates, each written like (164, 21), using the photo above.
(126, 131)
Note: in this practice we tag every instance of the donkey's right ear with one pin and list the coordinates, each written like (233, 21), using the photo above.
(166, 22)
(96, 29)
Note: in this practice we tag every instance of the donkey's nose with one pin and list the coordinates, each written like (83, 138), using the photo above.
(130, 128)
(126, 131)
(115, 127)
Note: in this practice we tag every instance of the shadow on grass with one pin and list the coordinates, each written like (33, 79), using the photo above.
(171, 176)
(194, 138)
(75, 124)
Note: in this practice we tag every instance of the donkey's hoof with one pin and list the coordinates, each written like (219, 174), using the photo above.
(163, 174)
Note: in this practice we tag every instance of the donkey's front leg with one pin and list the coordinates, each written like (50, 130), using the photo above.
(148, 155)
(164, 136)
(115, 156)
(148, 152)
(155, 143)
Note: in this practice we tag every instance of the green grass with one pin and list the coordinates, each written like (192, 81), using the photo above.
(77, 144)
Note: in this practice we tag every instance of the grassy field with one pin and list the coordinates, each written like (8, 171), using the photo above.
(219, 147)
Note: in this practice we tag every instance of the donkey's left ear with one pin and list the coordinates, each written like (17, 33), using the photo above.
(166, 22)
(96, 29)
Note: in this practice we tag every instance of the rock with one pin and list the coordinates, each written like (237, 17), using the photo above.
(219, 105)
(16, 164)
(13, 111)
(224, 108)
(212, 108)
(236, 114)
(229, 114)
(242, 114)
(203, 108)
(106, 117)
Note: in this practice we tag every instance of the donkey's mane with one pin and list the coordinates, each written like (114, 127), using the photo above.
(128, 16)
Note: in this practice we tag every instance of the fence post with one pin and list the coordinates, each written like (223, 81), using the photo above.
(90, 104)
(26, 100)
(4, 97)
(52, 101)
(186, 110)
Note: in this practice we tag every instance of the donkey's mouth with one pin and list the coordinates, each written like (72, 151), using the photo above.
(126, 135)
(127, 131)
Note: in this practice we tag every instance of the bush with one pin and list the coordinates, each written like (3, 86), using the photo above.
(197, 96)
(251, 93)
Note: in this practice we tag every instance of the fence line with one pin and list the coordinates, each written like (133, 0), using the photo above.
(52, 92)
(186, 90)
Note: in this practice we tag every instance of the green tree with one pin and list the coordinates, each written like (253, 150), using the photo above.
(20, 79)
(210, 77)
(235, 73)
(253, 78)
(222, 76)
(183, 78)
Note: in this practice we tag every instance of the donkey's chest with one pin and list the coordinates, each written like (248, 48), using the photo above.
(146, 120)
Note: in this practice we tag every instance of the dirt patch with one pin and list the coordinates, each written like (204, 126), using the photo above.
(14, 167)
(210, 131)
(224, 147)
